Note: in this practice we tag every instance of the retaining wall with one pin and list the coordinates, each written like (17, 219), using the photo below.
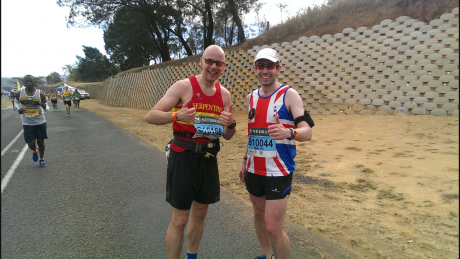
(399, 67)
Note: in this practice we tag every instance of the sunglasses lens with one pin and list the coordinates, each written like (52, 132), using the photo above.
(268, 66)
(211, 61)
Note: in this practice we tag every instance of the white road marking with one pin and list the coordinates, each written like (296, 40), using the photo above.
(10, 173)
(12, 142)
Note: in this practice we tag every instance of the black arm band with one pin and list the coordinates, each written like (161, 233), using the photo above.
(305, 117)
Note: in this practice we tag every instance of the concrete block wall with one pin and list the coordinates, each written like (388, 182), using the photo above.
(398, 67)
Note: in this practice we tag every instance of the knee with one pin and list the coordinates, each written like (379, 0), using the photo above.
(200, 213)
(259, 214)
(179, 222)
(41, 142)
(275, 229)
(32, 145)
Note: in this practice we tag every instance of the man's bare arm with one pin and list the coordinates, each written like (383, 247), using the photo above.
(160, 114)
(227, 115)
(295, 105)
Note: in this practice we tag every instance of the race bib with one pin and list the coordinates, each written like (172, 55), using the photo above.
(66, 98)
(30, 111)
(208, 127)
(260, 144)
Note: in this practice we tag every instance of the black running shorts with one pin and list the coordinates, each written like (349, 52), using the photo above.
(32, 132)
(274, 188)
(191, 177)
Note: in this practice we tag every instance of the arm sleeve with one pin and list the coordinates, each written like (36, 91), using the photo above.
(17, 104)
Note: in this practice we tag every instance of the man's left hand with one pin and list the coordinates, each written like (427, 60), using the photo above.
(226, 117)
(278, 131)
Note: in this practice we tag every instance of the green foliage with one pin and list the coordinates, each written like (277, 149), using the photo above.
(67, 71)
(138, 32)
(129, 42)
(94, 66)
(53, 78)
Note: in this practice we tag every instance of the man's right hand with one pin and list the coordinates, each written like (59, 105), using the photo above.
(186, 114)
(242, 172)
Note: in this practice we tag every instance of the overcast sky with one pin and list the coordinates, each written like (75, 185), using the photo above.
(36, 40)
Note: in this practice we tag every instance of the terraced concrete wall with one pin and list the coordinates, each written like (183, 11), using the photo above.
(399, 67)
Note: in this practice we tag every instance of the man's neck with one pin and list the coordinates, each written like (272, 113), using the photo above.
(30, 89)
(205, 84)
(268, 90)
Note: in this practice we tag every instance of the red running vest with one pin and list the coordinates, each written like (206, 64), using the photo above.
(206, 107)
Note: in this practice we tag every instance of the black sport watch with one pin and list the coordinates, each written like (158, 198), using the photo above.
(233, 125)
(293, 134)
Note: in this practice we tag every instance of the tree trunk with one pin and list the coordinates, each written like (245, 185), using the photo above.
(237, 20)
(208, 40)
(229, 39)
(184, 42)
(161, 42)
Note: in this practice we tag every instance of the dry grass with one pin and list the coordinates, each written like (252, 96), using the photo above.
(375, 203)
(6, 104)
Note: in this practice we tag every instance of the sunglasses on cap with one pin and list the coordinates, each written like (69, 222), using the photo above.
(212, 61)
(269, 66)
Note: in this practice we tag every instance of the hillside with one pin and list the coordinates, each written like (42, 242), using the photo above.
(333, 19)
(7, 82)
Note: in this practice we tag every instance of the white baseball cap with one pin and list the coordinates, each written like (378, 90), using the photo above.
(267, 53)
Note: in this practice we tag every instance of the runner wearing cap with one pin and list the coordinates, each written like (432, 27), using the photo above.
(277, 120)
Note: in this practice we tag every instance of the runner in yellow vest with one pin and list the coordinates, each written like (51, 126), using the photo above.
(66, 97)
(53, 97)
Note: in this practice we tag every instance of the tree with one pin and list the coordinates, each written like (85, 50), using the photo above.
(168, 21)
(262, 24)
(94, 66)
(53, 78)
(225, 25)
(159, 17)
(281, 7)
(67, 71)
(237, 20)
(129, 42)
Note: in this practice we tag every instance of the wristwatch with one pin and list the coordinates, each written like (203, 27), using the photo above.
(233, 125)
(293, 134)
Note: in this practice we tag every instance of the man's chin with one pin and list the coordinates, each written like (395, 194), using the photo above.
(213, 75)
(266, 82)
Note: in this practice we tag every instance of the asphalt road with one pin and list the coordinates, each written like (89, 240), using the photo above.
(102, 195)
